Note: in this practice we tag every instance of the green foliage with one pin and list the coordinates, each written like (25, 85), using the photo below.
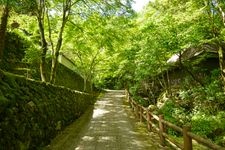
(114, 48)
(202, 107)
(32, 55)
(174, 114)
(208, 125)
(14, 52)
(210, 97)
(94, 40)
(16, 45)
(28, 30)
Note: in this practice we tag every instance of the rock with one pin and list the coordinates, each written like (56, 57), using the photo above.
(152, 108)
(58, 125)
(31, 105)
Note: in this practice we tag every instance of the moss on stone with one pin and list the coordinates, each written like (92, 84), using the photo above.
(31, 111)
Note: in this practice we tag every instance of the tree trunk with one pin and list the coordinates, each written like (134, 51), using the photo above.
(44, 45)
(168, 83)
(85, 84)
(3, 28)
(54, 67)
(44, 48)
(91, 87)
(55, 60)
(222, 13)
(66, 12)
(220, 50)
(182, 66)
(222, 65)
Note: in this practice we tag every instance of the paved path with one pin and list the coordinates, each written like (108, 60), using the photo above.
(109, 126)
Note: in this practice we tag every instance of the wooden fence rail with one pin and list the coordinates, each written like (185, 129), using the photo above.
(161, 127)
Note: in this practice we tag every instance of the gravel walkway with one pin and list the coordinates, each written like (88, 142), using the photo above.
(110, 125)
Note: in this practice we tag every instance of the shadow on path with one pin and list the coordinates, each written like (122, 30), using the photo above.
(109, 126)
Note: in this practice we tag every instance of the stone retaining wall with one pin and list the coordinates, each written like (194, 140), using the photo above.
(31, 113)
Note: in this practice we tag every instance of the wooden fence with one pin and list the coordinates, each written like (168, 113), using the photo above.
(160, 125)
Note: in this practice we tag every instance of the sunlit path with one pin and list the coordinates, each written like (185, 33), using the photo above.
(110, 126)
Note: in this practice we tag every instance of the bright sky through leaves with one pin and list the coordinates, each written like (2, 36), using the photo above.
(138, 5)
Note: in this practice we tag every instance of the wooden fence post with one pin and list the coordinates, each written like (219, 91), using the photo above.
(129, 100)
(136, 110)
(128, 97)
(187, 139)
(161, 130)
(141, 113)
(149, 120)
(133, 106)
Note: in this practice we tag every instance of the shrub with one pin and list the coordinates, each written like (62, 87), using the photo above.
(209, 126)
(174, 114)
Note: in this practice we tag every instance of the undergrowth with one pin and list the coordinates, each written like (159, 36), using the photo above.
(201, 106)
